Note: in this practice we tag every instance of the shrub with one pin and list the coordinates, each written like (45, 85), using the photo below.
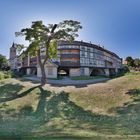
(5, 74)
(125, 69)
(1, 75)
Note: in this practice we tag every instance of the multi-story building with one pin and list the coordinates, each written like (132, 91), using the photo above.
(75, 58)
(80, 58)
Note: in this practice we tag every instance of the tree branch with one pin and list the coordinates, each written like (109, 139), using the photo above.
(48, 43)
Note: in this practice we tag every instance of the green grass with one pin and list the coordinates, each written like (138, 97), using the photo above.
(106, 111)
(58, 78)
(87, 77)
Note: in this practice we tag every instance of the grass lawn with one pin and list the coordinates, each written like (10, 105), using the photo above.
(104, 111)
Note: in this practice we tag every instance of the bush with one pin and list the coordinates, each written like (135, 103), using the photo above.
(5, 74)
(1, 75)
(125, 69)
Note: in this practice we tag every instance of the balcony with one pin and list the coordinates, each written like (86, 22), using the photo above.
(70, 63)
(70, 56)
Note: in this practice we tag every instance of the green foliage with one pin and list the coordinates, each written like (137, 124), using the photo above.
(40, 35)
(130, 61)
(5, 75)
(125, 69)
(3, 62)
(53, 50)
(1, 75)
(134, 64)
(133, 73)
(137, 62)
(20, 47)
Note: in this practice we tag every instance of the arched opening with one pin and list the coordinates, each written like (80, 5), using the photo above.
(63, 72)
(97, 72)
(112, 72)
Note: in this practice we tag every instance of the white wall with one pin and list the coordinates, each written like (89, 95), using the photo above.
(28, 71)
(74, 72)
(53, 75)
(107, 73)
(38, 72)
(86, 71)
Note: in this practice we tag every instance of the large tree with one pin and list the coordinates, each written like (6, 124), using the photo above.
(40, 35)
(130, 61)
(137, 62)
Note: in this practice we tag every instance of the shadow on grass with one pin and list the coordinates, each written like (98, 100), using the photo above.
(128, 114)
(10, 90)
(132, 106)
(10, 95)
(50, 106)
(57, 112)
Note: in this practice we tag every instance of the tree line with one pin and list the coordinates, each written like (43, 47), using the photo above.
(133, 62)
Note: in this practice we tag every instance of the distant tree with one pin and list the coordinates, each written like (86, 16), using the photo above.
(137, 62)
(40, 35)
(3, 62)
(130, 61)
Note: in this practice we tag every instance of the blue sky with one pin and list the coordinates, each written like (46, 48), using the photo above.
(115, 24)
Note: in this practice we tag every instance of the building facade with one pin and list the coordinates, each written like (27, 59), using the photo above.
(81, 58)
(75, 58)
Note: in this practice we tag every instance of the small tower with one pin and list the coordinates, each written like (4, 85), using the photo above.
(13, 51)
(13, 57)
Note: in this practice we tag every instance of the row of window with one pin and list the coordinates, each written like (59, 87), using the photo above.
(69, 60)
(92, 62)
(68, 53)
(90, 49)
(68, 47)
(91, 55)
(98, 56)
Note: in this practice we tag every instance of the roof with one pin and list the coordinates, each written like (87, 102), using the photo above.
(13, 45)
(50, 63)
(60, 43)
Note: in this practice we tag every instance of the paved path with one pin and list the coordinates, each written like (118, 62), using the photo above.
(67, 81)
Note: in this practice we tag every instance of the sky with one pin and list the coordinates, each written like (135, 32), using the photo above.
(114, 24)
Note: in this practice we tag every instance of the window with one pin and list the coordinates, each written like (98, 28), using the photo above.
(85, 54)
(88, 49)
(82, 48)
(82, 61)
(87, 61)
(88, 54)
(91, 55)
(91, 49)
(91, 61)
(82, 54)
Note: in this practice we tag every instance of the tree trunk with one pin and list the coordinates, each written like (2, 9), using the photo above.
(43, 74)
(43, 77)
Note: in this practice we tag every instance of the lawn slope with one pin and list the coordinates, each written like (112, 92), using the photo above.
(101, 111)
